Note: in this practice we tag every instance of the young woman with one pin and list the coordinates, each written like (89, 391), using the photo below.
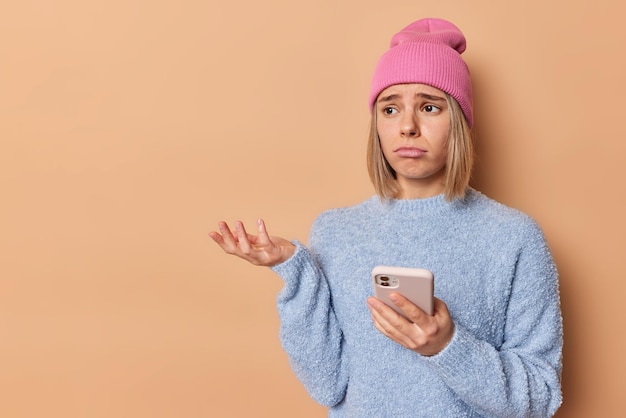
(492, 347)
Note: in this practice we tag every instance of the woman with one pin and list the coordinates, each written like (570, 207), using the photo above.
(493, 344)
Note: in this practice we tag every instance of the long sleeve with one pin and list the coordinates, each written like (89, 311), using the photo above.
(309, 331)
(521, 378)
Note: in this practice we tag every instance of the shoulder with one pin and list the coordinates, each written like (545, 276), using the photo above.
(338, 223)
(489, 211)
(503, 224)
(348, 214)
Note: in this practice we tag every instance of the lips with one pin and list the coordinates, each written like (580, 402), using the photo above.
(410, 152)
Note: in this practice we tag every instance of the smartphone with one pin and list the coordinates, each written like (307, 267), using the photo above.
(415, 284)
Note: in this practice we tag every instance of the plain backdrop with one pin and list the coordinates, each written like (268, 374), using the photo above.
(129, 128)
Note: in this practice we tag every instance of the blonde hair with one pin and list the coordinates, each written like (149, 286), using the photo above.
(459, 161)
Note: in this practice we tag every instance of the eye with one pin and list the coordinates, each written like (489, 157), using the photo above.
(431, 108)
(388, 110)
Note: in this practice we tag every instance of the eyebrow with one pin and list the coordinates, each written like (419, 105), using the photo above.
(422, 95)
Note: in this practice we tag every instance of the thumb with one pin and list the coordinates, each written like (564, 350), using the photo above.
(264, 238)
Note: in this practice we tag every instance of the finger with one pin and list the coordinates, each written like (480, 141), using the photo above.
(392, 325)
(391, 321)
(215, 236)
(264, 238)
(411, 310)
(434, 330)
(439, 306)
(380, 322)
(242, 237)
(440, 312)
(380, 328)
(228, 240)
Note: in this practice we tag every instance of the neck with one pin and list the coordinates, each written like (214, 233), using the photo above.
(413, 190)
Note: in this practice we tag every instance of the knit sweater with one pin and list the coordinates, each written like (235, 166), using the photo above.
(493, 270)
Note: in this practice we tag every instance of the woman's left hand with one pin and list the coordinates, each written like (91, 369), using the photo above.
(426, 334)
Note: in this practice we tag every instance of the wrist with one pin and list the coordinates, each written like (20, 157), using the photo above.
(286, 251)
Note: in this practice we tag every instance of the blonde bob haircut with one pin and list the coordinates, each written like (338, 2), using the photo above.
(459, 162)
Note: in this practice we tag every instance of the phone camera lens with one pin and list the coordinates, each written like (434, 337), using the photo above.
(384, 278)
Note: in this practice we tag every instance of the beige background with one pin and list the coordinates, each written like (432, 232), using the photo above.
(129, 128)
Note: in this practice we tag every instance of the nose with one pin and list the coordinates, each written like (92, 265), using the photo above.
(409, 126)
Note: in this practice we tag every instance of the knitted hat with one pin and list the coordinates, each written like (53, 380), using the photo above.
(427, 51)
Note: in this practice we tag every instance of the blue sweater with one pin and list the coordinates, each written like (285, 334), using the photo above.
(493, 270)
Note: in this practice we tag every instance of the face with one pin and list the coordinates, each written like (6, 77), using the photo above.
(413, 122)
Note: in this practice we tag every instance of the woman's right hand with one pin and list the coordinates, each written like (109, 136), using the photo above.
(260, 250)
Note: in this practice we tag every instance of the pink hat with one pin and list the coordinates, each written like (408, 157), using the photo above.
(427, 51)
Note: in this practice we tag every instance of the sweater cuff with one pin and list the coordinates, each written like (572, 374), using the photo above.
(294, 263)
(292, 270)
(456, 359)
